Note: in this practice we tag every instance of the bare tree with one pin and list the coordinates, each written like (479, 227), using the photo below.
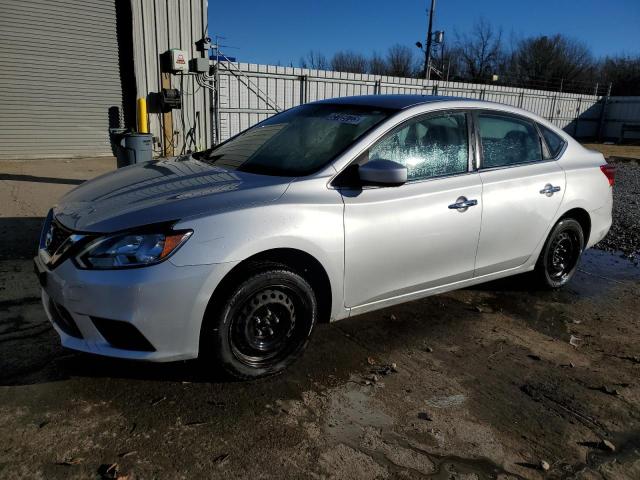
(547, 60)
(623, 72)
(401, 61)
(314, 60)
(377, 64)
(480, 51)
(349, 61)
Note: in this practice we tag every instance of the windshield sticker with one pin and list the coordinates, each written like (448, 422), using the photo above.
(345, 118)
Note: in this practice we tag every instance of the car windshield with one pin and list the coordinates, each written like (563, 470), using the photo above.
(296, 142)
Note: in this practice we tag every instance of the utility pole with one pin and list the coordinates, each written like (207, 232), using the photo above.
(427, 52)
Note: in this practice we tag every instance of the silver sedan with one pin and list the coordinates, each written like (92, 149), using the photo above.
(324, 211)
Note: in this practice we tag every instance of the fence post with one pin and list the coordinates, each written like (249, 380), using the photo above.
(577, 119)
(553, 107)
(216, 100)
(304, 97)
(603, 113)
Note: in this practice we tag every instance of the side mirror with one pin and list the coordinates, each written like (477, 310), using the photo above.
(382, 172)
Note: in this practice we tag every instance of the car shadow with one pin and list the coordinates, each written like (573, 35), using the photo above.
(32, 353)
(12, 177)
(517, 283)
(19, 237)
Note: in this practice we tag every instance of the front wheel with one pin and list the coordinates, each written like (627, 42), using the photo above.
(264, 324)
(560, 255)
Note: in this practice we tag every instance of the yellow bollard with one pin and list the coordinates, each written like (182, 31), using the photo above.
(143, 123)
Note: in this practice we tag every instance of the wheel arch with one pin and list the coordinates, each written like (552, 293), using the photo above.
(301, 262)
(583, 218)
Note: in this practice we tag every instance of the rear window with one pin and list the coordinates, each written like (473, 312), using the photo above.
(554, 142)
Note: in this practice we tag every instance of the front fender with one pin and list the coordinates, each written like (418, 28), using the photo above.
(231, 237)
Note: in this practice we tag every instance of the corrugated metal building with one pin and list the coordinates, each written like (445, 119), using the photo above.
(159, 25)
(74, 68)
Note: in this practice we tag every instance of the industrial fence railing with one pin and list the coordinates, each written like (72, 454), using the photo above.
(248, 93)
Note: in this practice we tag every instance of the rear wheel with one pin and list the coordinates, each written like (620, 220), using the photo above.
(263, 325)
(560, 255)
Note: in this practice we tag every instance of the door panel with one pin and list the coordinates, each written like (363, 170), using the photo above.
(517, 211)
(404, 239)
(516, 216)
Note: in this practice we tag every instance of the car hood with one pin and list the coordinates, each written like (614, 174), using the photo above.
(162, 191)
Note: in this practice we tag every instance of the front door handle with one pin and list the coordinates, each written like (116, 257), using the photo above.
(462, 204)
(549, 190)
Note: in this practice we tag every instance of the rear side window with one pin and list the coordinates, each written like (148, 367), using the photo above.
(508, 140)
(555, 143)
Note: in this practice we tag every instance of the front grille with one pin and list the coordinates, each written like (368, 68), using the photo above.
(122, 335)
(63, 319)
(55, 237)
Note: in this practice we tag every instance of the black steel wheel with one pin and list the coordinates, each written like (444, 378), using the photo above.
(264, 325)
(561, 253)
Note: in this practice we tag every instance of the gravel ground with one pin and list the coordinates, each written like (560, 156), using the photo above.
(624, 235)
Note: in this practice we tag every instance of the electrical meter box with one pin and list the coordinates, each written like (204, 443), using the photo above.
(178, 60)
(199, 65)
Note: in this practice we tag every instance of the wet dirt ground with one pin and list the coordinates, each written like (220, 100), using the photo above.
(495, 381)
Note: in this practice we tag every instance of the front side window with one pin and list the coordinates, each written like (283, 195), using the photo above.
(429, 147)
(508, 140)
(553, 140)
(298, 141)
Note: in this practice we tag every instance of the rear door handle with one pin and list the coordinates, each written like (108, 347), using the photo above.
(549, 190)
(462, 204)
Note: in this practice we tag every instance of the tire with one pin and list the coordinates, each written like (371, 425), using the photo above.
(560, 255)
(263, 324)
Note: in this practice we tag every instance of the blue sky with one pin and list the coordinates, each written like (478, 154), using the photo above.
(273, 31)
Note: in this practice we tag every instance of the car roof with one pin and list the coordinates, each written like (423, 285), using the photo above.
(396, 102)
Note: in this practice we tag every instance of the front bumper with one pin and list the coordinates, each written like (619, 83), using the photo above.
(165, 303)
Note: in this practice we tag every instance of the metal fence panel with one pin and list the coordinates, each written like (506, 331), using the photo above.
(249, 93)
(621, 110)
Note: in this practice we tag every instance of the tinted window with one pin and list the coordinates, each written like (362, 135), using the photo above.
(298, 141)
(429, 147)
(554, 141)
(508, 140)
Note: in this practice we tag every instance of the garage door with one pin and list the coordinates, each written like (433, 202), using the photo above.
(60, 79)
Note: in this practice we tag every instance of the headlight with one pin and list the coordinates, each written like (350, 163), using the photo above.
(131, 249)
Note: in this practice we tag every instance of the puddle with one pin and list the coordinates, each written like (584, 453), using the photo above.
(627, 453)
(452, 466)
(352, 416)
(447, 402)
(555, 313)
(350, 411)
(609, 266)
(481, 468)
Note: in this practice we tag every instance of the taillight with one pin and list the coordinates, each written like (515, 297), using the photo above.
(609, 172)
